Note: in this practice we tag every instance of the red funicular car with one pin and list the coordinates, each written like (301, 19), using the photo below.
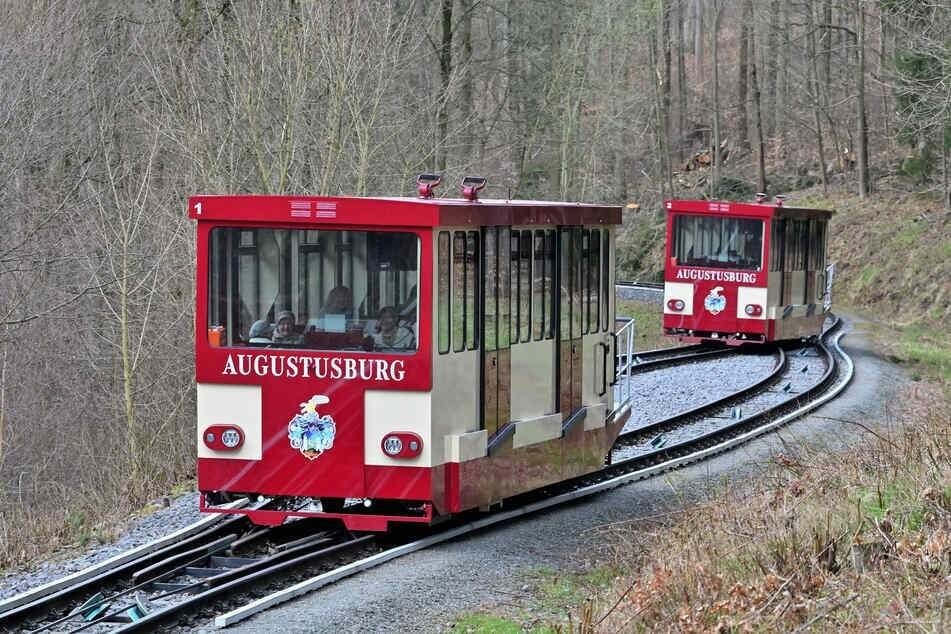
(745, 272)
(399, 359)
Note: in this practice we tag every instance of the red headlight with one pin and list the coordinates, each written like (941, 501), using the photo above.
(223, 437)
(675, 304)
(402, 444)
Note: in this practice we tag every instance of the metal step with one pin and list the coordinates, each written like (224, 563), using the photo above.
(220, 561)
(202, 573)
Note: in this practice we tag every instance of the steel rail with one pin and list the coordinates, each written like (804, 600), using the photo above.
(752, 421)
(20, 610)
(261, 569)
(815, 399)
(774, 375)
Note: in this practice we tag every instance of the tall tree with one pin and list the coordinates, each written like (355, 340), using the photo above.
(861, 132)
(741, 76)
(757, 119)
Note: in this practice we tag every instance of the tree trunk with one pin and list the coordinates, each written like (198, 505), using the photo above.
(664, 81)
(814, 89)
(698, 37)
(741, 77)
(757, 122)
(465, 94)
(660, 136)
(862, 125)
(826, 44)
(769, 69)
(445, 71)
(715, 182)
(681, 81)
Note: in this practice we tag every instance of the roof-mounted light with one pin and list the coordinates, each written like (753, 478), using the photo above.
(471, 186)
(426, 183)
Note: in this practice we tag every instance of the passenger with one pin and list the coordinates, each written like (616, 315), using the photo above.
(339, 302)
(284, 332)
(389, 334)
(408, 310)
(260, 332)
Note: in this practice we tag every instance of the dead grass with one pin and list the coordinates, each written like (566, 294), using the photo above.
(855, 540)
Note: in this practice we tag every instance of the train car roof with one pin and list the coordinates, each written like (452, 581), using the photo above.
(749, 209)
(401, 212)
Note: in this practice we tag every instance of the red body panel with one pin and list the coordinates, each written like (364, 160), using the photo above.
(726, 325)
(287, 380)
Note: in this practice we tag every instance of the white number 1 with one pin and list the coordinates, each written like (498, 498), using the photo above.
(198, 208)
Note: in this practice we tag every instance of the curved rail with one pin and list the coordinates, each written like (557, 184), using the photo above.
(609, 479)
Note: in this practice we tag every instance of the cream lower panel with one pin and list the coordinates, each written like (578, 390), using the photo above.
(798, 283)
(774, 281)
(455, 398)
(750, 295)
(595, 416)
(682, 291)
(533, 379)
(465, 447)
(536, 430)
(386, 411)
(230, 405)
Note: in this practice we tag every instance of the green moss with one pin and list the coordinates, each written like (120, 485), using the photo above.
(488, 624)
(648, 321)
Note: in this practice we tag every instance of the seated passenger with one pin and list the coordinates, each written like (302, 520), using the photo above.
(284, 332)
(389, 334)
(260, 332)
(339, 302)
(408, 310)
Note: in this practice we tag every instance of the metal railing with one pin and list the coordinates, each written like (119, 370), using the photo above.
(623, 362)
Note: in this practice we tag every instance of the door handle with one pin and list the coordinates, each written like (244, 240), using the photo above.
(604, 368)
(494, 361)
(614, 347)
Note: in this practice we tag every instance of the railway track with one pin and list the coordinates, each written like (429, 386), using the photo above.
(158, 587)
(214, 568)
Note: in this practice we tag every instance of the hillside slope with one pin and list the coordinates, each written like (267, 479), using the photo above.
(893, 253)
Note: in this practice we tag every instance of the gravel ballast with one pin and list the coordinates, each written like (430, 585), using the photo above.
(427, 591)
(181, 512)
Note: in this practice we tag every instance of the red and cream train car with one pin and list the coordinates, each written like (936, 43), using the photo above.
(399, 359)
(745, 272)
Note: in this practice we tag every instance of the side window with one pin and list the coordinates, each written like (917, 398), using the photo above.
(525, 286)
(505, 293)
(776, 242)
(472, 290)
(585, 286)
(515, 286)
(490, 312)
(443, 297)
(460, 285)
(538, 289)
(594, 280)
(549, 307)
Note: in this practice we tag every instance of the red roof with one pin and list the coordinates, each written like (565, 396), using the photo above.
(756, 210)
(405, 212)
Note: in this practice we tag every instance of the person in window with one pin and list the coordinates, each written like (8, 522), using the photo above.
(285, 331)
(389, 334)
(339, 302)
(260, 332)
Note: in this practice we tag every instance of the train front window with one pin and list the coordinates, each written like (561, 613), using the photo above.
(718, 242)
(313, 289)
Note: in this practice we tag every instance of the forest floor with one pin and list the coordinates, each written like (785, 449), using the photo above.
(855, 538)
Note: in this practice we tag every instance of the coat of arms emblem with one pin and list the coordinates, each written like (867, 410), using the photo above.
(309, 432)
(714, 302)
